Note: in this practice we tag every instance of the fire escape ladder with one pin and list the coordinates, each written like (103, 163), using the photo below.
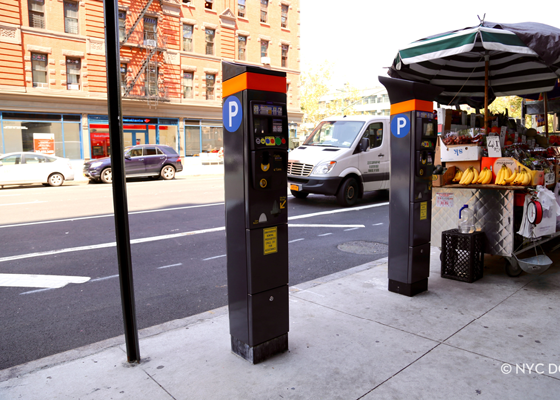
(140, 16)
(145, 63)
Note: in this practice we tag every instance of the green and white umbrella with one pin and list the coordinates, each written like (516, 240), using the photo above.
(483, 62)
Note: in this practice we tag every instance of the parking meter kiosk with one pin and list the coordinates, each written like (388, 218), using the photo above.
(413, 142)
(255, 171)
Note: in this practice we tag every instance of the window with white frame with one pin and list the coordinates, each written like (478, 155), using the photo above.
(284, 16)
(73, 72)
(150, 31)
(208, 4)
(241, 8)
(285, 48)
(264, 11)
(71, 11)
(210, 83)
(124, 73)
(242, 48)
(39, 70)
(188, 37)
(36, 13)
(187, 85)
(264, 48)
(122, 25)
(210, 35)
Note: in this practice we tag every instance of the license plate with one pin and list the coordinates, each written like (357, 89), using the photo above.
(295, 188)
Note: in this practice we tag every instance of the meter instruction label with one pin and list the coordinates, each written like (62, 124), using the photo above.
(424, 210)
(270, 236)
(232, 114)
(400, 125)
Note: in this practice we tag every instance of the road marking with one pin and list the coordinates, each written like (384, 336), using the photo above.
(325, 234)
(351, 229)
(40, 281)
(295, 240)
(212, 258)
(109, 215)
(381, 223)
(35, 291)
(112, 244)
(169, 266)
(104, 278)
(27, 202)
(338, 210)
(324, 226)
(9, 195)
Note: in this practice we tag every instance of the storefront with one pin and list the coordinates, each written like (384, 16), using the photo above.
(203, 137)
(136, 130)
(25, 131)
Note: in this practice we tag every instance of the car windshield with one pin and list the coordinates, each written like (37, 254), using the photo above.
(335, 134)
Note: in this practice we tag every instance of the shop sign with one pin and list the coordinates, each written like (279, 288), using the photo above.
(43, 143)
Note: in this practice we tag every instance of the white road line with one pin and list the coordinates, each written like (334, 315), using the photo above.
(104, 278)
(212, 258)
(112, 244)
(351, 229)
(9, 195)
(109, 215)
(381, 223)
(27, 202)
(169, 266)
(324, 226)
(339, 210)
(40, 281)
(296, 240)
(325, 234)
(35, 291)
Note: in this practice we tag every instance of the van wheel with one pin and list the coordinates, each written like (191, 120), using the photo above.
(299, 195)
(348, 193)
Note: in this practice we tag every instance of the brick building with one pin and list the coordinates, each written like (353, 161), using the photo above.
(53, 76)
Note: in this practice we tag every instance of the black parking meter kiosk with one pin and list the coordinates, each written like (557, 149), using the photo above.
(255, 161)
(413, 142)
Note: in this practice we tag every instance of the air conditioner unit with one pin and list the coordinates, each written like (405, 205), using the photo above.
(265, 60)
(150, 42)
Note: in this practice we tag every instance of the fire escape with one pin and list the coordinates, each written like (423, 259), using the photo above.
(152, 46)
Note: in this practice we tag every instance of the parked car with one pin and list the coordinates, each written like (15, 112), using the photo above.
(151, 160)
(27, 167)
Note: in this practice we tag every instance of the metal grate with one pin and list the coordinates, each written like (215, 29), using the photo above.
(299, 169)
(462, 255)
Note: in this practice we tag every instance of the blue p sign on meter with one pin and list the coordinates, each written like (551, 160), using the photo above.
(400, 125)
(232, 114)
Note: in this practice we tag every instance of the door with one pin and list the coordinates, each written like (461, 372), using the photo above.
(153, 160)
(134, 162)
(374, 164)
(35, 168)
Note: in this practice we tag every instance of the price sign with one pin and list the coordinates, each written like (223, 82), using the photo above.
(494, 149)
(444, 200)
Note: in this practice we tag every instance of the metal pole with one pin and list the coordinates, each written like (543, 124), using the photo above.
(486, 116)
(120, 203)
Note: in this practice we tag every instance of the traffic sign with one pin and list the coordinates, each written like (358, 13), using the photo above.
(232, 114)
(400, 125)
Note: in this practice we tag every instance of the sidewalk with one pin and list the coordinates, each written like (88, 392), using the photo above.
(350, 338)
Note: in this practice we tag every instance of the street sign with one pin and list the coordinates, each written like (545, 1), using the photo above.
(232, 114)
(400, 125)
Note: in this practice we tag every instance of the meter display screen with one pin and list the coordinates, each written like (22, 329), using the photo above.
(428, 129)
(264, 109)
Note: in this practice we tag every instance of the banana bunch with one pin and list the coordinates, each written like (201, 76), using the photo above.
(523, 178)
(506, 177)
(458, 176)
(485, 176)
(469, 176)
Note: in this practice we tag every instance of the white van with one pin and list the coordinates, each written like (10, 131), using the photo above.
(343, 157)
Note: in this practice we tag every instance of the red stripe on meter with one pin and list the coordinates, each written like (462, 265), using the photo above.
(412, 105)
(253, 81)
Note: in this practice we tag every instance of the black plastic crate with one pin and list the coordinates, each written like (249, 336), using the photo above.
(462, 255)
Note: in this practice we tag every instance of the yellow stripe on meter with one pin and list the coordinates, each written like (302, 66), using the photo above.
(270, 236)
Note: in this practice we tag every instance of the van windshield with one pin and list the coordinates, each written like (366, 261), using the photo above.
(335, 134)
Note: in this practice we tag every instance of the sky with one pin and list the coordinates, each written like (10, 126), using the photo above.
(360, 37)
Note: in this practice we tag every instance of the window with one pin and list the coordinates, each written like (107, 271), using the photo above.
(285, 48)
(374, 133)
(12, 160)
(210, 34)
(123, 69)
(187, 2)
(241, 8)
(73, 69)
(36, 13)
(284, 20)
(187, 37)
(187, 85)
(150, 31)
(210, 80)
(39, 68)
(71, 9)
(264, 48)
(151, 87)
(242, 47)
(122, 25)
(264, 11)
(208, 4)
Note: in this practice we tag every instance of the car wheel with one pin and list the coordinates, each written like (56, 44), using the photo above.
(168, 172)
(55, 179)
(107, 175)
(299, 195)
(348, 193)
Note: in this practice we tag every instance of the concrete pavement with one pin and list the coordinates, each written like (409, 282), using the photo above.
(350, 338)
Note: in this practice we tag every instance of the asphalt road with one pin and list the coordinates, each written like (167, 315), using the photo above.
(178, 247)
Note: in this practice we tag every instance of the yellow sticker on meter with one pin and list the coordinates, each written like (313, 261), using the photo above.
(270, 236)
(424, 210)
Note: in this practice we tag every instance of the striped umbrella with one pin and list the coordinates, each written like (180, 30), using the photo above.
(479, 63)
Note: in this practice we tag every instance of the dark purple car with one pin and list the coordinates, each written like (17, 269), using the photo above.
(152, 160)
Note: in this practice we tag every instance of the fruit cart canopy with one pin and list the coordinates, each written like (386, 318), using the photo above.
(524, 58)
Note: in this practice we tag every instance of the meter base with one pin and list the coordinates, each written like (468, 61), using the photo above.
(408, 289)
(260, 352)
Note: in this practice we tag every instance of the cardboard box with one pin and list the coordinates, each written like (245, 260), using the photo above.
(463, 165)
(488, 162)
(513, 164)
(445, 178)
(460, 152)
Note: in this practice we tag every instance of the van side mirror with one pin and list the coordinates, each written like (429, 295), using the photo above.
(364, 144)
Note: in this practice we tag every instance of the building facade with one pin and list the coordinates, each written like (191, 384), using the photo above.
(53, 70)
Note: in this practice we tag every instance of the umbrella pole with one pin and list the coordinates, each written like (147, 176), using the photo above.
(545, 101)
(486, 63)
